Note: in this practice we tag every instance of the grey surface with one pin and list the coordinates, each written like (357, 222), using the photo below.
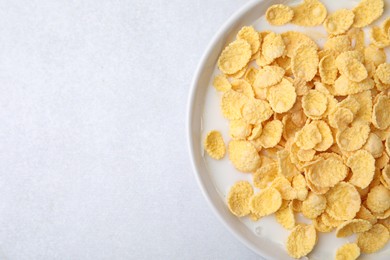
(93, 152)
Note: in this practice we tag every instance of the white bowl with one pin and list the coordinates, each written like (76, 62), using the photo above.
(200, 95)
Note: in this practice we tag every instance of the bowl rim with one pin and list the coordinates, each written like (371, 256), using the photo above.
(226, 27)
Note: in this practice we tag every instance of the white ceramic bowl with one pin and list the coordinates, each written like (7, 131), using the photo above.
(197, 126)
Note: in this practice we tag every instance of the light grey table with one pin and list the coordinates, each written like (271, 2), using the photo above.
(93, 152)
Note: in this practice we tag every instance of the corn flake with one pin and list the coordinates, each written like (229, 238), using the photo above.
(285, 216)
(343, 86)
(271, 134)
(314, 104)
(351, 68)
(279, 14)
(239, 129)
(232, 103)
(313, 206)
(249, 34)
(214, 145)
(362, 164)
(244, 156)
(242, 86)
(374, 239)
(383, 73)
(308, 137)
(328, 70)
(293, 40)
(343, 201)
(301, 240)
(367, 11)
(353, 226)
(338, 44)
(309, 13)
(380, 116)
(265, 175)
(221, 83)
(282, 96)
(284, 187)
(235, 57)
(326, 134)
(327, 172)
(374, 145)
(339, 22)
(374, 54)
(266, 202)
(256, 111)
(353, 138)
(378, 199)
(379, 37)
(273, 46)
(269, 76)
(348, 251)
(238, 198)
(304, 63)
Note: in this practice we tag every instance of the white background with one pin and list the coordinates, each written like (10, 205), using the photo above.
(93, 152)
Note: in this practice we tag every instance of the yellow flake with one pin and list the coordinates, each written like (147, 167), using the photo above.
(341, 118)
(249, 34)
(256, 132)
(242, 86)
(374, 239)
(308, 137)
(367, 11)
(273, 46)
(279, 14)
(285, 167)
(314, 104)
(313, 206)
(348, 251)
(326, 134)
(351, 68)
(343, 201)
(244, 156)
(343, 86)
(232, 103)
(374, 145)
(309, 13)
(285, 63)
(379, 37)
(353, 226)
(256, 111)
(374, 54)
(353, 138)
(358, 38)
(239, 129)
(382, 215)
(381, 115)
(362, 164)
(339, 22)
(265, 175)
(285, 217)
(271, 134)
(383, 73)
(328, 70)
(301, 240)
(221, 83)
(293, 40)
(250, 75)
(330, 221)
(269, 76)
(306, 155)
(235, 57)
(282, 96)
(364, 99)
(385, 222)
(214, 145)
(365, 214)
(378, 199)
(386, 175)
(320, 226)
(327, 172)
(266, 202)
(239, 74)
(304, 63)
(238, 198)
(284, 187)
(338, 44)
(289, 128)
(299, 184)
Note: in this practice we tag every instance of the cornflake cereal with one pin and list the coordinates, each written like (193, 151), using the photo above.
(309, 13)
(362, 165)
(238, 198)
(348, 252)
(266, 202)
(367, 11)
(339, 22)
(235, 57)
(374, 239)
(311, 124)
(279, 14)
(301, 240)
(214, 145)
(244, 156)
(352, 227)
